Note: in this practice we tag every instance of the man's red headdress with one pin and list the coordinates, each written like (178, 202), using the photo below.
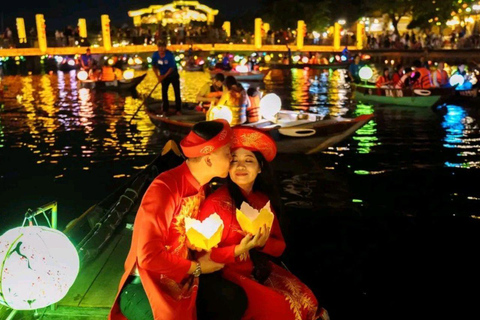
(195, 146)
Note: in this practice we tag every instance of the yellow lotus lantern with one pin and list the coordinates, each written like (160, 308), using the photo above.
(251, 220)
(204, 234)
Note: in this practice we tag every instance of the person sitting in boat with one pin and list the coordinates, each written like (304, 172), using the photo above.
(86, 61)
(110, 73)
(440, 76)
(406, 80)
(398, 74)
(211, 93)
(424, 80)
(273, 292)
(354, 69)
(253, 107)
(161, 276)
(384, 80)
(235, 98)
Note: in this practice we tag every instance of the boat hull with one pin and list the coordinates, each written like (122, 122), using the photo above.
(307, 136)
(117, 85)
(401, 97)
(243, 76)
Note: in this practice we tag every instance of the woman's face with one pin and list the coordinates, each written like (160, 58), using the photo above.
(244, 168)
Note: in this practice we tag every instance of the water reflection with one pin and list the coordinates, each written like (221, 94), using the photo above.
(462, 134)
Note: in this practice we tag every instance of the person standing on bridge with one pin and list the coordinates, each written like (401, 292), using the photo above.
(165, 68)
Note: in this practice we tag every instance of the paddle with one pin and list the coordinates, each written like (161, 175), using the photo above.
(143, 103)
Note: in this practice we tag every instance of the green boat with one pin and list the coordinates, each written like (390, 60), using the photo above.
(401, 97)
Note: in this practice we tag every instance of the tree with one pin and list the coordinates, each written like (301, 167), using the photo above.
(395, 9)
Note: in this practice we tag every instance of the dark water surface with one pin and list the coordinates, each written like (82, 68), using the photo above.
(384, 225)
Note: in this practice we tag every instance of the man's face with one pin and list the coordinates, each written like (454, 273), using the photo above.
(220, 159)
(161, 50)
(88, 52)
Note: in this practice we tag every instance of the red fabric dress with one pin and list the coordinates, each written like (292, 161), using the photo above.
(282, 296)
(158, 248)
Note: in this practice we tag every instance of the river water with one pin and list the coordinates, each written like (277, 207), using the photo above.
(384, 225)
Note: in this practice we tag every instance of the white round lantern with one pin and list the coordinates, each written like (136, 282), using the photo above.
(82, 75)
(128, 74)
(220, 112)
(241, 69)
(38, 265)
(270, 105)
(456, 79)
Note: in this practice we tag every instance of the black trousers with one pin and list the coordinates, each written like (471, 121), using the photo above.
(175, 81)
(220, 299)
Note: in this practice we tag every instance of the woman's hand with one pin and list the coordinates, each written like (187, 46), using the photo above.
(253, 241)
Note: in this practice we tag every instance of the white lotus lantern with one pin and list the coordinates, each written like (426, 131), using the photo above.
(220, 112)
(251, 220)
(270, 105)
(82, 75)
(204, 234)
(38, 265)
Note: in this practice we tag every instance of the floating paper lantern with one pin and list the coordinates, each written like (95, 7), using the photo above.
(241, 69)
(204, 234)
(128, 74)
(220, 112)
(270, 105)
(82, 75)
(251, 220)
(38, 265)
(365, 73)
(456, 79)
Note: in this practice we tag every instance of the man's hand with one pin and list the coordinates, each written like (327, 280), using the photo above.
(208, 265)
(160, 77)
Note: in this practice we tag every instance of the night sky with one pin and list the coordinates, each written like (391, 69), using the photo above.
(59, 14)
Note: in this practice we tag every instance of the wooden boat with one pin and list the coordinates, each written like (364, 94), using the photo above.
(195, 67)
(242, 76)
(294, 131)
(116, 85)
(308, 65)
(401, 97)
(465, 96)
(102, 237)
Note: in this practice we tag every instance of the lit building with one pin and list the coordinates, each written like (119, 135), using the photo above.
(177, 12)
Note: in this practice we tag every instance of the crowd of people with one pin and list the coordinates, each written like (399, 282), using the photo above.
(416, 76)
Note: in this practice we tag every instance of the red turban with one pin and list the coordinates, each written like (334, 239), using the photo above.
(195, 146)
(254, 140)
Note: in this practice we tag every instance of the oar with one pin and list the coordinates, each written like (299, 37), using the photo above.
(143, 103)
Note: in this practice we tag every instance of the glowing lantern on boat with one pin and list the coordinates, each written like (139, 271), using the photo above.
(110, 62)
(138, 60)
(82, 75)
(456, 79)
(128, 74)
(220, 112)
(267, 58)
(71, 63)
(204, 234)
(270, 105)
(38, 265)
(365, 73)
(305, 59)
(251, 220)
(241, 69)
(130, 61)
